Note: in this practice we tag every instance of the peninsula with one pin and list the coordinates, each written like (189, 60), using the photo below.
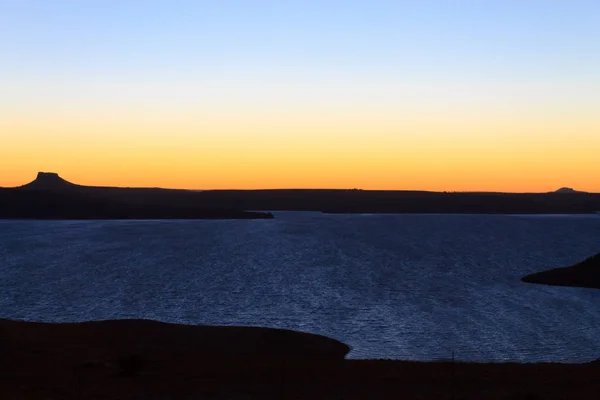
(585, 274)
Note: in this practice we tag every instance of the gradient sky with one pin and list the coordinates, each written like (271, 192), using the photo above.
(435, 95)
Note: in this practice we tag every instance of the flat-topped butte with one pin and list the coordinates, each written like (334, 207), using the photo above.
(51, 197)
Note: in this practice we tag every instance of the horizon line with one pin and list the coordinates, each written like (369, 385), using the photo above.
(298, 188)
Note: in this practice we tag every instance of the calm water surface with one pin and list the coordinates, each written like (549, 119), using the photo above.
(395, 286)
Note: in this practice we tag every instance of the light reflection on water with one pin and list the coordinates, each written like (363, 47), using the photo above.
(393, 286)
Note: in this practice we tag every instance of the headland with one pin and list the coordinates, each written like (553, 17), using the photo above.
(585, 274)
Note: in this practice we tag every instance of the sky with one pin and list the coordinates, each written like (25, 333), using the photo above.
(471, 95)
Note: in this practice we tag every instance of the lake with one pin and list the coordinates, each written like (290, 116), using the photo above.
(417, 287)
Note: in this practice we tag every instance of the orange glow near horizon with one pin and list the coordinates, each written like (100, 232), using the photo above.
(481, 96)
(424, 138)
(338, 152)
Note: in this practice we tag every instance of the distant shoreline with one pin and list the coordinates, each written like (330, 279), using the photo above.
(458, 213)
(51, 197)
(224, 216)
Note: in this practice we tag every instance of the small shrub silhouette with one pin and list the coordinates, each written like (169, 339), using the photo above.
(130, 365)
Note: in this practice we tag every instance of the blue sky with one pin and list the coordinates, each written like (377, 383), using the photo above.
(496, 40)
(368, 82)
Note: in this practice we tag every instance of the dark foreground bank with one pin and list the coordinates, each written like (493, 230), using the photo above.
(584, 274)
(133, 359)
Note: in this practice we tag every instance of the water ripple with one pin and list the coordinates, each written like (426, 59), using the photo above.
(415, 287)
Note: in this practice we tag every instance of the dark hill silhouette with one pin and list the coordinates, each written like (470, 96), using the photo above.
(584, 274)
(567, 190)
(51, 197)
(380, 201)
(173, 203)
(49, 181)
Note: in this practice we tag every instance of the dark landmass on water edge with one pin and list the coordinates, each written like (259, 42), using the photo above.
(51, 197)
(133, 359)
(381, 201)
(585, 274)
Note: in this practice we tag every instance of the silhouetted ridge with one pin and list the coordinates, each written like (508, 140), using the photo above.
(51, 197)
(49, 181)
(404, 201)
(120, 202)
(568, 190)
